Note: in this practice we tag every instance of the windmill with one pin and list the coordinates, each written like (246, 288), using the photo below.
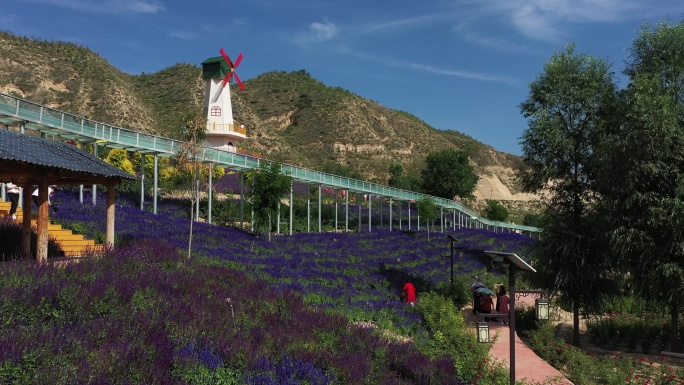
(218, 72)
(229, 74)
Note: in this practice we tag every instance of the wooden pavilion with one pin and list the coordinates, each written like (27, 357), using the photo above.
(29, 161)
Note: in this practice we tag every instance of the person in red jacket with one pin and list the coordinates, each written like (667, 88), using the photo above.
(410, 293)
(486, 305)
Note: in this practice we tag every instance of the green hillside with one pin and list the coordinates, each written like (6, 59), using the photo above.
(290, 117)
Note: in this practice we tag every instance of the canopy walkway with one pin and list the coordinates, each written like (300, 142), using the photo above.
(49, 121)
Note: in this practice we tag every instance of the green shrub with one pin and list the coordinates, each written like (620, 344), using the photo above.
(452, 337)
(78, 228)
(609, 369)
(200, 375)
(525, 319)
(459, 293)
(223, 212)
(132, 187)
(631, 330)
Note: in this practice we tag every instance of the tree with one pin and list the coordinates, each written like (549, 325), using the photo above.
(566, 112)
(448, 173)
(267, 186)
(118, 158)
(428, 210)
(495, 211)
(399, 180)
(413, 183)
(643, 173)
(396, 172)
(149, 164)
(341, 170)
(532, 219)
(193, 130)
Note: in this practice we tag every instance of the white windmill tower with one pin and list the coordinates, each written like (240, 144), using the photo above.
(221, 130)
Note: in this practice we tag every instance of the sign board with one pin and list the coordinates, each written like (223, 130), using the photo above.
(531, 293)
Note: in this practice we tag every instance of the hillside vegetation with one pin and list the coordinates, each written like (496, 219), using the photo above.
(290, 117)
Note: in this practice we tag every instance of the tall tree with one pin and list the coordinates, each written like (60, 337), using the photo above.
(448, 174)
(566, 115)
(396, 175)
(193, 131)
(643, 173)
(267, 187)
(495, 211)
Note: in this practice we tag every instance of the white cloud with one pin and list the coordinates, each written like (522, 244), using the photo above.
(463, 74)
(498, 24)
(431, 69)
(547, 19)
(318, 32)
(184, 35)
(535, 23)
(323, 31)
(392, 25)
(141, 6)
(7, 18)
(133, 45)
(497, 42)
(106, 6)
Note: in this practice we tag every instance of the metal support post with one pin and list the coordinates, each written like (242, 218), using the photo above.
(155, 191)
(142, 181)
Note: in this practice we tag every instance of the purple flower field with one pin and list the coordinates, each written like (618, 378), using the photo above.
(360, 273)
(240, 310)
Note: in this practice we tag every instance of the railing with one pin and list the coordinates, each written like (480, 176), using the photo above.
(58, 123)
(217, 128)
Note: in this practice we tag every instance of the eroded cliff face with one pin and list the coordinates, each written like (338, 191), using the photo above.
(70, 78)
(499, 183)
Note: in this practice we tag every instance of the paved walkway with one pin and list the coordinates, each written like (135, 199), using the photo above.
(527, 364)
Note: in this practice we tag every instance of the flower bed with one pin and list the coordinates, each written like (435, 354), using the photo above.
(144, 314)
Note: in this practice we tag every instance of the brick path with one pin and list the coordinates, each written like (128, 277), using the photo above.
(527, 364)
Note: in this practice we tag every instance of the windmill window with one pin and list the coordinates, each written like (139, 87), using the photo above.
(216, 111)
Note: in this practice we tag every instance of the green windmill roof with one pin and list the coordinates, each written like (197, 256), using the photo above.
(214, 68)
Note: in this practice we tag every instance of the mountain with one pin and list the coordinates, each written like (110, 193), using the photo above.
(290, 117)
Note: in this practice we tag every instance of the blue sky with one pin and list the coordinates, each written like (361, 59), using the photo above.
(463, 65)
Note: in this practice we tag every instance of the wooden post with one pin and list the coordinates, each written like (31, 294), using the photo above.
(42, 226)
(110, 214)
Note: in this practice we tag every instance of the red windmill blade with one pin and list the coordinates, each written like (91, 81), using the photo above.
(229, 74)
(232, 69)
